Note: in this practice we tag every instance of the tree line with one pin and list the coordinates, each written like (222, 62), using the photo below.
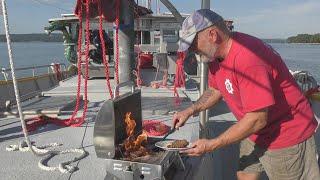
(55, 37)
(305, 38)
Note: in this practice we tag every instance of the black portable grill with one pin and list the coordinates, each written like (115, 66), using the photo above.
(110, 133)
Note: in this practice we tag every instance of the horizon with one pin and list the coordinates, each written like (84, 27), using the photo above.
(263, 19)
(57, 32)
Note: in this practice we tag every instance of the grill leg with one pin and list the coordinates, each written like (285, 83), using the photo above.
(124, 175)
(110, 176)
(179, 163)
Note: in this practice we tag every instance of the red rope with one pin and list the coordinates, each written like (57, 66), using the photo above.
(78, 64)
(139, 81)
(57, 70)
(179, 80)
(117, 40)
(105, 62)
(33, 123)
(75, 122)
(81, 119)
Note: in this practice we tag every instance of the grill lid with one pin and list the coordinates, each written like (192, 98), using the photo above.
(110, 128)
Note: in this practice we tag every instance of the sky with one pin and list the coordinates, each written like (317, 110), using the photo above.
(261, 18)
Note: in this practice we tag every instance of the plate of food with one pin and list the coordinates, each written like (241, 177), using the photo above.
(174, 145)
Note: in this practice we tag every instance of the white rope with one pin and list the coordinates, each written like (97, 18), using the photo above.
(26, 145)
(15, 85)
(63, 167)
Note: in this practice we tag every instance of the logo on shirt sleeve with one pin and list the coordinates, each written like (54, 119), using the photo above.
(229, 86)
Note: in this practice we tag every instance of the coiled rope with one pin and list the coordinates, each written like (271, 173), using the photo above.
(26, 145)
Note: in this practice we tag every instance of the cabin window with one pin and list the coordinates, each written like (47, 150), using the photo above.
(147, 23)
(170, 35)
(145, 37)
(156, 37)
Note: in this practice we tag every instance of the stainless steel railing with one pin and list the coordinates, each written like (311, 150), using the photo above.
(5, 71)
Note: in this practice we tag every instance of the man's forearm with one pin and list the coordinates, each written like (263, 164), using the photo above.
(250, 124)
(209, 98)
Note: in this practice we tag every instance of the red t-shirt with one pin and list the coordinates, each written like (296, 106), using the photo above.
(252, 77)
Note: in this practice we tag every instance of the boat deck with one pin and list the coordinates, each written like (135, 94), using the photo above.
(156, 104)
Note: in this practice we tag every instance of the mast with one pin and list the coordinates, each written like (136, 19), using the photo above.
(157, 7)
(148, 4)
(126, 41)
(204, 115)
(205, 4)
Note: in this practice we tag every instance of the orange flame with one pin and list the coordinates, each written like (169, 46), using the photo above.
(131, 144)
(131, 124)
(140, 139)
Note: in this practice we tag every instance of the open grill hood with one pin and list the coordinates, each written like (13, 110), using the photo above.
(110, 128)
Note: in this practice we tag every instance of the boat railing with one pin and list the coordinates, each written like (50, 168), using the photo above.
(50, 69)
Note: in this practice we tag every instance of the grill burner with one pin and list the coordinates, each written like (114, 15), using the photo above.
(109, 137)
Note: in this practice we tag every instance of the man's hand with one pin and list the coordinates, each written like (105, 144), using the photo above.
(200, 147)
(181, 117)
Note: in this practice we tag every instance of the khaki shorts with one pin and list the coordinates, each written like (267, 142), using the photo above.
(295, 162)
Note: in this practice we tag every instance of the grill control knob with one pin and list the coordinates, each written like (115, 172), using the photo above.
(128, 168)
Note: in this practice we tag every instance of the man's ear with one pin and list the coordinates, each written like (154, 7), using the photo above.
(213, 35)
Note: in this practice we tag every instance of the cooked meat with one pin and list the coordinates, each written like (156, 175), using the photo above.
(178, 144)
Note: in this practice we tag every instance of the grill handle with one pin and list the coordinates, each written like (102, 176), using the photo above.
(124, 84)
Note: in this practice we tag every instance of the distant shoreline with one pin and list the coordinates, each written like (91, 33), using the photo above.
(33, 37)
(56, 37)
(62, 42)
(294, 43)
(33, 42)
(305, 38)
(305, 43)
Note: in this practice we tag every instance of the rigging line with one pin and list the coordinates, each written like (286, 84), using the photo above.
(26, 145)
(51, 5)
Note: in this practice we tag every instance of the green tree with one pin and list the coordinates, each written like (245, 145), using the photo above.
(304, 38)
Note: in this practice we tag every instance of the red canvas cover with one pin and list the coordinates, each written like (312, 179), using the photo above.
(108, 8)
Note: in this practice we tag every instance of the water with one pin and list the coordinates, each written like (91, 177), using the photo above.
(32, 54)
(301, 57)
(296, 56)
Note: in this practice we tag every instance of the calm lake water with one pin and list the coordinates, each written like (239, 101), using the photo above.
(296, 56)
(32, 54)
(301, 57)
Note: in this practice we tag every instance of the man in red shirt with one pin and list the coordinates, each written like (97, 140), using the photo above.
(275, 121)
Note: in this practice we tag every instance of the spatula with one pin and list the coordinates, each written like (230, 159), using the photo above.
(172, 130)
